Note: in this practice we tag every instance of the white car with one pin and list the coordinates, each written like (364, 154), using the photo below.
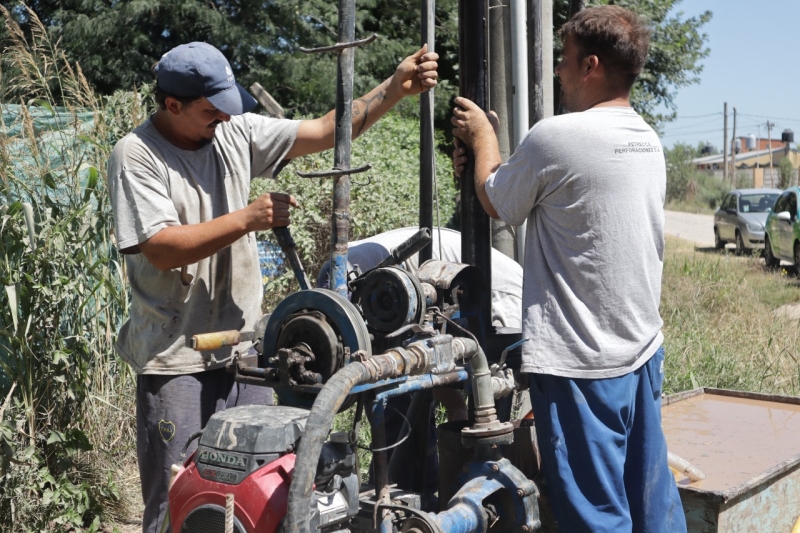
(741, 217)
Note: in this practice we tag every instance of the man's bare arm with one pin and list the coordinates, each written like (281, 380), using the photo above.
(474, 129)
(417, 73)
(178, 246)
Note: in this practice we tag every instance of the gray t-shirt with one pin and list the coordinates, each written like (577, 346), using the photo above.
(153, 185)
(506, 273)
(591, 186)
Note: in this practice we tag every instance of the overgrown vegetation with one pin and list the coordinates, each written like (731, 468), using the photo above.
(66, 422)
(689, 189)
(725, 324)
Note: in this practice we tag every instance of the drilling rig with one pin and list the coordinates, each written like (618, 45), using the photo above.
(371, 337)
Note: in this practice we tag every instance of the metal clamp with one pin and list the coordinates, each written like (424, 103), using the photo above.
(339, 47)
(336, 172)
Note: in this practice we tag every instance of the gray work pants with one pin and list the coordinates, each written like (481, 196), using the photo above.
(169, 409)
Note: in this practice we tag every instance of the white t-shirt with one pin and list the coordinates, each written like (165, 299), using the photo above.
(591, 186)
(506, 273)
(153, 185)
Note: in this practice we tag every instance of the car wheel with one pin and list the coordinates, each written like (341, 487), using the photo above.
(741, 249)
(719, 244)
(797, 258)
(769, 258)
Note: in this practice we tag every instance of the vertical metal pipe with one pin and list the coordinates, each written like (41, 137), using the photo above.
(519, 78)
(343, 135)
(536, 60)
(476, 245)
(377, 421)
(540, 64)
(519, 72)
(426, 158)
(501, 95)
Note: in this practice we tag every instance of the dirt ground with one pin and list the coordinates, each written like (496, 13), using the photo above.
(698, 229)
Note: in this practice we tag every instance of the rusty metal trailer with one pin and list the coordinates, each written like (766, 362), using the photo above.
(748, 445)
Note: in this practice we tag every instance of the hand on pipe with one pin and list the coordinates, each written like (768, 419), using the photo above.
(473, 126)
(418, 72)
(270, 210)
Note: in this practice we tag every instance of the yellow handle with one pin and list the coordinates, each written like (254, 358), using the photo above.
(796, 528)
(218, 339)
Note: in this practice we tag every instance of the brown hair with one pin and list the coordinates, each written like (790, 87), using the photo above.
(617, 36)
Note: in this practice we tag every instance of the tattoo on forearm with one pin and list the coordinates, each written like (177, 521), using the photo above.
(377, 97)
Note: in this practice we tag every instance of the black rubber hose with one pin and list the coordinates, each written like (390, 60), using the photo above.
(318, 425)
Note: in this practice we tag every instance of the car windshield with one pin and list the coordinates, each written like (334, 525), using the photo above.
(756, 203)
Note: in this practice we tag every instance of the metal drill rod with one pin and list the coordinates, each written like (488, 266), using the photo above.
(476, 237)
(426, 157)
(343, 136)
(289, 249)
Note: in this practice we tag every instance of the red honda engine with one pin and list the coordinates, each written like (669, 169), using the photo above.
(249, 452)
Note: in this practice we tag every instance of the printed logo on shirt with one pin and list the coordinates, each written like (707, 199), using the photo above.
(166, 429)
(638, 148)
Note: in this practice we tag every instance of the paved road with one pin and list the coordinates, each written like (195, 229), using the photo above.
(698, 229)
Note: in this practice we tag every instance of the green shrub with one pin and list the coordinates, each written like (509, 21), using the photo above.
(710, 190)
(690, 189)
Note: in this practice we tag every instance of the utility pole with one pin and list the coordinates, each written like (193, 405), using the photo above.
(725, 146)
(733, 150)
(770, 125)
(758, 147)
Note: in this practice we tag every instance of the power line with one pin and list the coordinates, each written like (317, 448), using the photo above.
(784, 119)
(681, 117)
(696, 124)
(716, 130)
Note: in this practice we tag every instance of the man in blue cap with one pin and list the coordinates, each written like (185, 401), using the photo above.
(179, 186)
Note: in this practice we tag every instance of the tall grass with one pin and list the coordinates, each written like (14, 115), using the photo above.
(66, 423)
(722, 327)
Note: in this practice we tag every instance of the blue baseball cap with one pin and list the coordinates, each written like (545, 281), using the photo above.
(199, 69)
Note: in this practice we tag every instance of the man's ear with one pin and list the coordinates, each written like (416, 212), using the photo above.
(173, 105)
(590, 64)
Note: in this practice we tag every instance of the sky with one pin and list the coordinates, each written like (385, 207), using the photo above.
(754, 65)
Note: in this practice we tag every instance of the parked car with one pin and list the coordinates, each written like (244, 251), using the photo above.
(783, 230)
(741, 216)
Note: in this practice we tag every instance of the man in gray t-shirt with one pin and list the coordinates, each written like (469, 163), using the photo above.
(179, 187)
(591, 185)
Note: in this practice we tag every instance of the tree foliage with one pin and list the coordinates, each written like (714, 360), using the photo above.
(677, 45)
(117, 43)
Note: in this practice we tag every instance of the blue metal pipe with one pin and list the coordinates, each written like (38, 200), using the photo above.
(465, 514)
(426, 381)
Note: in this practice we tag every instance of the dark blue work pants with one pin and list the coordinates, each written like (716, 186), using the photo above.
(604, 454)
